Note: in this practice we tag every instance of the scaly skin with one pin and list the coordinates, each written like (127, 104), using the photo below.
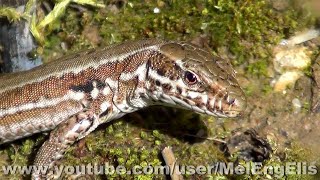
(76, 93)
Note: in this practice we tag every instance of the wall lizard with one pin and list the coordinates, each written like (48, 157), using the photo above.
(74, 94)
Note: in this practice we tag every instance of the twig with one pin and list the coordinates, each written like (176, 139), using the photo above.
(171, 161)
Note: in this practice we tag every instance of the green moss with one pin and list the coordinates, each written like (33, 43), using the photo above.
(258, 68)
(267, 89)
(10, 14)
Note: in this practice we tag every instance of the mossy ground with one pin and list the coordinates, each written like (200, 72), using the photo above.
(244, 30)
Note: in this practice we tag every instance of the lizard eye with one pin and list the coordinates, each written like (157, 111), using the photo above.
(190, 78)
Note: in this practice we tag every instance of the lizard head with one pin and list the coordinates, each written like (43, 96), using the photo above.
(186, 76)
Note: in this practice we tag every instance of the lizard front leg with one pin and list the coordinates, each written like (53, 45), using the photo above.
(62, 137)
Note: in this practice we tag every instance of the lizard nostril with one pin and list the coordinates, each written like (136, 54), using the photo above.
(239, 104)
(229, 99)
(232, 101)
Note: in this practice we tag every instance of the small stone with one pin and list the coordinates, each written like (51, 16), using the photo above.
(156, 10)
(296, 105)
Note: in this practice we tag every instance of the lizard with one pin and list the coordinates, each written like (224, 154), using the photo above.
(74, 94)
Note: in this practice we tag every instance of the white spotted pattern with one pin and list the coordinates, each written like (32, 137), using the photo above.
(95, 92)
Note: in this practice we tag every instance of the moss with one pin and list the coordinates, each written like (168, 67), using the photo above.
(267, 89)
(258, 68)
(10, 14)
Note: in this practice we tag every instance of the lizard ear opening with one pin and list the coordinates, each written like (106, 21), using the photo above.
(174, 51)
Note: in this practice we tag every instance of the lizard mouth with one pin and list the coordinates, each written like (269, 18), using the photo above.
(227, 106)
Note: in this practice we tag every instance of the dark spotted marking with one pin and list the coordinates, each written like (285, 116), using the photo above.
(185, 100)
(160, 72)
(200, 104)
(104, 113)
(143, 96)
(100, 84)
(158, 83)
(148, 68)
(179, 90)
(88, 87)
(176, 67)
(172, 78)
(167, 86)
